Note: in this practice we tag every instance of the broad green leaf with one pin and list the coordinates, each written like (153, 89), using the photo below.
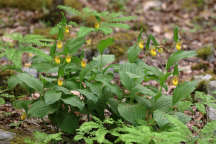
(30, 81)
(74, 101)
(103, 60)
(88, 95)
(176, 70)
(133, 76)
(52, 96)
(13, 81)
(44, 67)
(62, 89)
(123, 18)
(36, 51)
(106, 30)
(54, 30)
(133, 53)
(161, 119)
(7, 96)
(132, 113)
(47, 79)
(148, 42)
(103, 44)
(39, 109)
(67, 122)
(126, 79)
(144, 101)
(73, 45)
(84, 31)
(117, 25)
(71, 11)
(152, 70)
(22, 104)
(95, 88)
(183, 90)
(144, 90)
(85, 71)
(154, 41)
(175, 34)
(164, 103)
(113, 89)
(2, 101)
(113, 105)
(184, 105)
(183, 117)
(177, 56)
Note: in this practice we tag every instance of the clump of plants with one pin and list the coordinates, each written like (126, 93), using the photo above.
(70, 86)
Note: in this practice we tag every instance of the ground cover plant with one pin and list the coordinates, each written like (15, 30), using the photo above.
(117, 100)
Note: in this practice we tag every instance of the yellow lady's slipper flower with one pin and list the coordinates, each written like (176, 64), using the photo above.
(30, 54)
(97, 25)
(27, 64)
(57, 60)
(153, 52)
(175, 80)
(60, 81)
(23, 116)
(59, 44)
(141, 44)
(83, 63)
(68, 59)
(88, 42)
(67, 29)
(160, 50)
(179, 45)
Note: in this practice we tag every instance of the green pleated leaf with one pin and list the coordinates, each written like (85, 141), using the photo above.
(27, 79)
(73, 45)
(177, 56)
(52, 96)
(103, 44)
(67, 122)
(84, 31)
(161, 119)
(2, 101)
(133, 53)
(183, 117)
(175, 34)
(183, 90)
(74, 101)
(132, 113)
(22, 104)
(30, 81)
(13, 81)
(130, 75)
(39, 109)
(88, 95)
(104, 60)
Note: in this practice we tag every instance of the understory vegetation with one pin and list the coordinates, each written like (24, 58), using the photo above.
(96, 99)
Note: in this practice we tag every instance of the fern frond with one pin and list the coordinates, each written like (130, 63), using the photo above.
(70, 10)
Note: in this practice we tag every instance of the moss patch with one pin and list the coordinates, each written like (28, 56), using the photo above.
(191, 4)
(37, 4)
(205, 52)
(26, 4)
(200, 66)
(123, 40)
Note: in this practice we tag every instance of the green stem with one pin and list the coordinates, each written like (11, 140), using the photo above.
(101, 63)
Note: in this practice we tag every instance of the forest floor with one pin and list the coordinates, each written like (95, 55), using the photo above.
(197, 23)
